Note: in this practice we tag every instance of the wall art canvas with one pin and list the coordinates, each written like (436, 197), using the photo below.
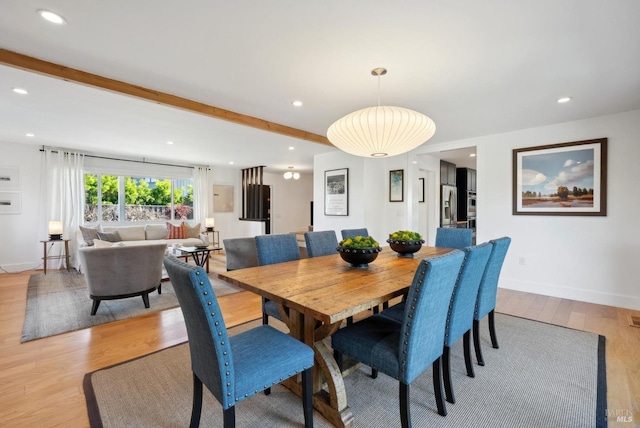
(561, 179)
(222, 198)
(10, 202)
(396, 185)
(9, 178)
(336, 192)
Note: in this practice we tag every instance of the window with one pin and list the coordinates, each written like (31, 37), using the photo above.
(112, 198)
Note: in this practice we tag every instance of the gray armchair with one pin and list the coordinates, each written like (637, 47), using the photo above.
(121, 272)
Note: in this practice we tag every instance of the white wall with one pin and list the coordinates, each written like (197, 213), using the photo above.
(593, 259)
(21, 249)
(369, 204)
(290, 204)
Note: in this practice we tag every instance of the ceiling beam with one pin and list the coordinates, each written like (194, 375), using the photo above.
(23, 62)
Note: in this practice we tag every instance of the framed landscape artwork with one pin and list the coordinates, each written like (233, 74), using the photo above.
(561, 179)
(336, 192)
(396, 185)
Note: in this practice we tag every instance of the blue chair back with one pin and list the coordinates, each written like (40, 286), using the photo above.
(486, 301)
(450, 237)
(211, 356)
(321, 243)
(425, 314)
(465, 292)
(277, 248)
(350, 233)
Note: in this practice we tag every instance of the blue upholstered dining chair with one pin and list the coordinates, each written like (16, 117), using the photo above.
(321, 243)
(273, 249)
(450, 237)
(404, 350)
(350, 233)
(486, 301)
(460, 313)
(233, 368)
(461, 310)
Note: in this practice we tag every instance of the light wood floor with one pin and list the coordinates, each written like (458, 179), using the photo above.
(41, 381)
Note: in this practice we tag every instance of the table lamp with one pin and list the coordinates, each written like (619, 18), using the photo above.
(55, 230)
(209, 223)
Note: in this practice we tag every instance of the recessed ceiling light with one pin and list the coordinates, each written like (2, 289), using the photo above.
(52, 16)
(170, 143)
(473, 155)
(297, 103)
(29, 134)
(20, 91)
(230, 162)
(564, 100)
(291, 148)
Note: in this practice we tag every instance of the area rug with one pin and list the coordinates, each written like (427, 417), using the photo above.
(59, 302)
(542, 376)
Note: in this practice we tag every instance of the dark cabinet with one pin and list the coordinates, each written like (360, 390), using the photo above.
(466, 178)
(447, 173)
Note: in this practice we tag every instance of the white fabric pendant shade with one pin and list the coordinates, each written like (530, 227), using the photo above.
(381, 131)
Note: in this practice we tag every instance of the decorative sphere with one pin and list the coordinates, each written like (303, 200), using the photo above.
(359, 257)
(405, 248)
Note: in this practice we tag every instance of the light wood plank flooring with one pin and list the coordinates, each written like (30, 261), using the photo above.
(41, 381)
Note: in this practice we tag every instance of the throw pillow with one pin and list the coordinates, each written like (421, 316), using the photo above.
(155, 231)
(89, 234)
(192, 231)
(101, 244)
(176, 232)
(109, 236)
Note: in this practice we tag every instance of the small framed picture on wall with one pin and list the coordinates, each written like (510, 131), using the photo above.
(396, 185)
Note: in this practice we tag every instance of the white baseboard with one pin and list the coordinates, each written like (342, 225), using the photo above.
(597, 297)
(19, 267)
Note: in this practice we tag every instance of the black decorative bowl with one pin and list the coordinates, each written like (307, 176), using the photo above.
(405, 248)
(359, 257)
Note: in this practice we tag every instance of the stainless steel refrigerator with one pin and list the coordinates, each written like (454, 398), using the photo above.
(448, 202)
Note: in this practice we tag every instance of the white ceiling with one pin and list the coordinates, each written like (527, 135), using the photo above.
(475, 68)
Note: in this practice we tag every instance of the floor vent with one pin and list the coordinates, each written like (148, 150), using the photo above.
(634, 321)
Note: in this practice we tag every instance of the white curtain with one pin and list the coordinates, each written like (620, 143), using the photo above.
(200, 193)
(62, 197)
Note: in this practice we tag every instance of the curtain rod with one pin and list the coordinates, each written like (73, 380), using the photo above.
(96, 156)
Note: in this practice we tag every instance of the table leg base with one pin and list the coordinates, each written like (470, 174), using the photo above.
(321, 403)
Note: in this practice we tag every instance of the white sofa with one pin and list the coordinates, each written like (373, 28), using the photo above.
(137, 235)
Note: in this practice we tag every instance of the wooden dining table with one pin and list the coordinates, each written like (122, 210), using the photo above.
(315, 295)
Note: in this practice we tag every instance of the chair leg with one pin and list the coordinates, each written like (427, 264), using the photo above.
(196, 408)
(349, 321)
(160, 288)
(267, 391)
(374, 373)
(446, 374)
(405, 413)
(492, 330)
(476, 342)
(437, 387)
(466, 338)
(94, 307)
(229, 416)
(145, 300)
(307, 398)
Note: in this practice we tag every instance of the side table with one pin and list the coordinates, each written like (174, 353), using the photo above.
(65, 256)
(200, 255)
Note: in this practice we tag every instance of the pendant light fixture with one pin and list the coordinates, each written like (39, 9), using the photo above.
(381, 131)
(290, 174)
